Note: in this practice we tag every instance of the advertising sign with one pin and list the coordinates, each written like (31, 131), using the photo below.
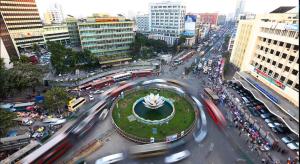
(267, 77)
(190, 25)
(171, 138)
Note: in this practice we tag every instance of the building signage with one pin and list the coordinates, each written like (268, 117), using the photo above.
(190, 25)
(267, 77)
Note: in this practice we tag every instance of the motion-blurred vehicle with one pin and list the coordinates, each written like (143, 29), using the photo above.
(177, 156)
(293, 145)
(111, 159)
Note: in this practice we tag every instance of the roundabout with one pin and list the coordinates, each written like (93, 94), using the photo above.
(153, 115)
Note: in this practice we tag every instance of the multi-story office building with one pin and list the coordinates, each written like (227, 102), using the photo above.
(142, 23)
(54, 14)
(72, 24)
(209, 18)
(221, 20)
(268, 48)
(107, 37)
(166, 20)
(57, 33)
(22, 22)
(231, 42)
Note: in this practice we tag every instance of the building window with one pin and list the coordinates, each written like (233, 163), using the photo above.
(277, 53)
(276, 75)
(291, 58)
(275, 42)
(297, 87)
(284, 55)
(294, 72)
(280, 43)
(262, 47)
(289, 82)
(260, 66)
(263, 58)
(288, 45)
(280, 65)
(296, 47)
(268, 60)
(265, 69)
(282, 78)
(272, 51)
(269, 40)
(287, 69)
(270, 72)
(274, 63)
(258, 56)
(264, 39)
(266, 50)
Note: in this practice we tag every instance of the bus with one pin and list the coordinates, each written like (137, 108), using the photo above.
(122, 76)
(75, 103)
(215, 113)
(98, 84)
(211, 94)
(50, 151)
(23, 106)
(148, 150)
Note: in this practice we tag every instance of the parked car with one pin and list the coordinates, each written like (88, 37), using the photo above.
(270, 119)
(274, 124)
(177, 156)
(266, 115)
(287, 139)
(281, 130)
(293, 145)
(111, 159)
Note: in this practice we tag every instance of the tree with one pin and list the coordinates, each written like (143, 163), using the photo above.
(25, 75)
(182, 40)
(6, 121)
(35, 47)
(56, 99)
(24, 59)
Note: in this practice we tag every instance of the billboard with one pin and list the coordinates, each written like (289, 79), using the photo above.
(190, 25)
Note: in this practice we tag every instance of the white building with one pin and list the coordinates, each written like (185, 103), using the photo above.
(268, 48)
(4, 55)
(142, 23)
(166, 20)
(54, 15)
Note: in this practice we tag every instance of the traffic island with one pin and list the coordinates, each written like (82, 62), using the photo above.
(153, 115)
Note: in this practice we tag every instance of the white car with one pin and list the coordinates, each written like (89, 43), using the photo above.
(293, 145)
(98, 92)
(274, 124)
(111, 159)
(91, 97)
(177, 156)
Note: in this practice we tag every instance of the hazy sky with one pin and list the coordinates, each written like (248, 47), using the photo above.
(81, 8)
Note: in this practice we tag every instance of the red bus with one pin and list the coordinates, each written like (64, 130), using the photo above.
(49, 152)
(215, 113)
(143, 73)
(98, 84)
(124, 87)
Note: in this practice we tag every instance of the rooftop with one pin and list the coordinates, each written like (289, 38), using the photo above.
(283, 9)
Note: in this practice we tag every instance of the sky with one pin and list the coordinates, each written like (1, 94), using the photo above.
(83, 8)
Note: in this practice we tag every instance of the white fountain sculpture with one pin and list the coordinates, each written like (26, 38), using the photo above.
(153, 101)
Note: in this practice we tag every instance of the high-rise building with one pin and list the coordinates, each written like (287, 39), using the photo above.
(107, 37)
(72, 24)
(142, 23)
(239, 8)
(54, 15)
(21, 21)
(4, 55)
(268, 48)
(166, 20)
